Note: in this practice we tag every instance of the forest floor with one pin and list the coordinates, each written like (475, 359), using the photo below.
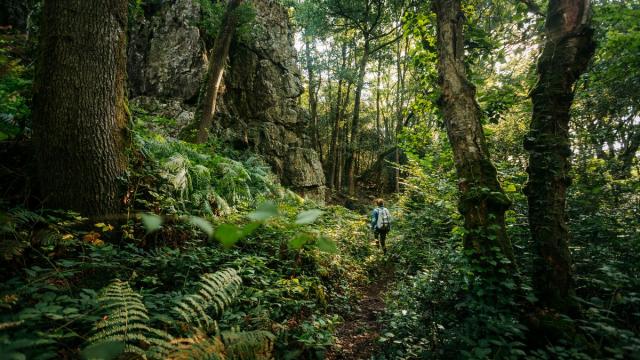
(357, 337)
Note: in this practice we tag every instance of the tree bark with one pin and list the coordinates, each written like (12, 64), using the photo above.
(568, 48)
(379, 137)
(79, 105)
(482, 201)
(344, 144)
(400, 86)
(355, 122)
(313, 88)
(333, 152)
(216, 70)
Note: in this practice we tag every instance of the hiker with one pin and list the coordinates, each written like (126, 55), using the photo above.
(381, 223)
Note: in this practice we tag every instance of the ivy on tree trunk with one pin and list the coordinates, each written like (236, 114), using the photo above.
(482, 201)
(567, 50)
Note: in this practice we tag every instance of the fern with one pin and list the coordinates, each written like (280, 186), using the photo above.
(232, 345)
(194, 180)
(248, 345)
(198, 346)
(234, 181)
(15, 230)
(127, 323)
(24, 217)
(216, 292)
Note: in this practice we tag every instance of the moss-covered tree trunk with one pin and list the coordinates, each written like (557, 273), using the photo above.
(482, 201)
(216, 70)
(79, 104)
(567, 50)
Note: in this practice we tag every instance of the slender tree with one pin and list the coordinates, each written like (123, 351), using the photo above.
(333, 149)
(315, 82)
(79, 104)
(567, 50)
(370, 19)
(482, 201)
(216, 69)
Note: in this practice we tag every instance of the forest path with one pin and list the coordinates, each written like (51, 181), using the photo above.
(357, 336)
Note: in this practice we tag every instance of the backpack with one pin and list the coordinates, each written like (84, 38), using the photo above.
(384, 220)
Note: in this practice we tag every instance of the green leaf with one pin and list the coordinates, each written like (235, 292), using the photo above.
(326, 245)
(250, 228)
(228, 234)
(299, 241)
(151, 222)
(203, 224)
(264, 212)
(308, 217)
(103, 351)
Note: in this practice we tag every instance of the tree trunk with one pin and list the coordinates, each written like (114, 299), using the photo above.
(313, 88)
(355, 123)
(333, 152)
(567, 51)
(482, 201)
(379, 137)
(316, 124)
(345, 138)
(400, 86)
(79, 105)
(216, 70)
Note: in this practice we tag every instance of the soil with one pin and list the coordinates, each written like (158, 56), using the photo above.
(357, 337)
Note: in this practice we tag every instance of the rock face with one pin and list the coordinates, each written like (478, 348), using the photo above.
(259, 105)
(166, 56)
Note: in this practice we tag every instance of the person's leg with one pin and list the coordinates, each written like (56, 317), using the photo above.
(375, 236)
(383, 238)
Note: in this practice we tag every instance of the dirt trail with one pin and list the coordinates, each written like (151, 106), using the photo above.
(357, 336)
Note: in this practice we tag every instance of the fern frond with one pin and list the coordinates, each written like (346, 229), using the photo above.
(176, 171)
(127, 323)
(10, 325)
(198, 346)
(23, 217)
(222, 204)
(215, 292)
(248, 345)
(11, 248)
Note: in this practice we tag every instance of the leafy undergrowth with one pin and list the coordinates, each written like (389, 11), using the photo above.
(192, 268)
(442, 307)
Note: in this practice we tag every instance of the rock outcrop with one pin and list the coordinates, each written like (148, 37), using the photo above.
(259, 108)
(166, 55)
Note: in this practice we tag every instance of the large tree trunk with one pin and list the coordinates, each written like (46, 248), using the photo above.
(79, 105)
(567, 51)
(355, 122)
(482, 201)
(216, 70)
